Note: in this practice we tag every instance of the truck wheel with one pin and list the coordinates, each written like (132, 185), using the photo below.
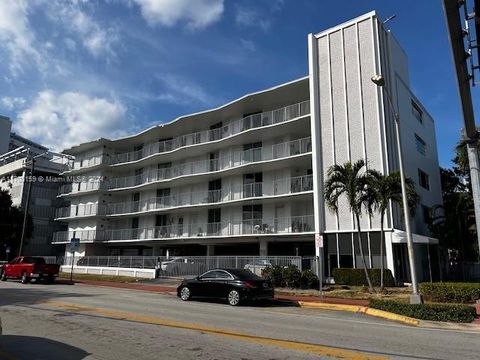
(25, 278)
(50, 279)
(3, 277)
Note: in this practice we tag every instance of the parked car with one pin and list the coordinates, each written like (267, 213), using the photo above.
(29, 267)
(235, 285)
(182, 266)
(257, 266)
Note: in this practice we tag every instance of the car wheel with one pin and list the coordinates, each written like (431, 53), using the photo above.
(233, 297)
(25, 278)
(3, 276)
(185, 293)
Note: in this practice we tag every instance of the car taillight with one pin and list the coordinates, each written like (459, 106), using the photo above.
(249, 284)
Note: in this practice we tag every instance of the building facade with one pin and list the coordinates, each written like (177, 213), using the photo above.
(247, 178)
(17, 178)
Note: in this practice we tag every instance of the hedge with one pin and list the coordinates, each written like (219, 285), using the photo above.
(290, 276)
(356, 277)
(434, 312)
(449, 292)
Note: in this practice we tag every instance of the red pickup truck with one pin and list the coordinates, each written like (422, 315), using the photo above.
(29, 267)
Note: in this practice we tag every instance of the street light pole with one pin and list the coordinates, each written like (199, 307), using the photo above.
(415, 297)
(27, 202)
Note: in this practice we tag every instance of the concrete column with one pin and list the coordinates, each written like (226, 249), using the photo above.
(210, 250)
(263, 247)
(389, 264)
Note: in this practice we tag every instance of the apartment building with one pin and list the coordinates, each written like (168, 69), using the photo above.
(17, 178)
(247, 178)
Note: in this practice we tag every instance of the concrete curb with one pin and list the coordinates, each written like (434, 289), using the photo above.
(362, 310)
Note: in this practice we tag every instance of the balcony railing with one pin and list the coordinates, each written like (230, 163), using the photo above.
(294, 224)
(250, 122)
(81, 210)
(91, 161)
(79, 187)
(83, 235)
(277, 187)
(287, 225)
(273, 152)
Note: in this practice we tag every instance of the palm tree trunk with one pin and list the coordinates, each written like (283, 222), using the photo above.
(382, 247)
(359, 233)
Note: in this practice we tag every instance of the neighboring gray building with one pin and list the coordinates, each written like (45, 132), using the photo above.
(246, 178)
(15, 169)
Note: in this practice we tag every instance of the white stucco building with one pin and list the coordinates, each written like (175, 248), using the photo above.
(247, 177)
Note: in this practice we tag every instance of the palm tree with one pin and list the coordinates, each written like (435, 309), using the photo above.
(349, 180)
(386, 189)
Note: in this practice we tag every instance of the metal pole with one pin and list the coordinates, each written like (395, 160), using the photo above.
(415, 298)
(27, 204)
(71, 269)
(474, 163)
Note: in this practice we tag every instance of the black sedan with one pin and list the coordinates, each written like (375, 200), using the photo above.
(235, 285)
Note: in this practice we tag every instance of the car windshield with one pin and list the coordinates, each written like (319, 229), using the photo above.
(244, 274)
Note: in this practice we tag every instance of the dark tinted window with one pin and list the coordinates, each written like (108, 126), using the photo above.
(33, 260)
(243, 274)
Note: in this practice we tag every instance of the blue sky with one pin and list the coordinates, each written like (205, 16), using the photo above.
(75, 70)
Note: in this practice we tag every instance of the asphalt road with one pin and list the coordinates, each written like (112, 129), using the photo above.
(86, 322)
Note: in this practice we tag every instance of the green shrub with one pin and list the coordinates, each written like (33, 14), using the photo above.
(309, 280)
(275, 275)
(450, 292)
(356, 277)
(434, 312)
(292, 276)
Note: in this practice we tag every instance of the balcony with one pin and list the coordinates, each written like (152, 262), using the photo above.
(278, 187)
(62, 237)
(256, 227)
(89, 162)
(236, 159)
(81, 187)
(250, 122)
(81, 210)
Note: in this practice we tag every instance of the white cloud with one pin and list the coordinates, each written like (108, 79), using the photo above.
(248, 44)
(196, 13)
(59, 121)
(248, 17)
(12, 103)
(96, 39)
(182, 91)
(16, 36)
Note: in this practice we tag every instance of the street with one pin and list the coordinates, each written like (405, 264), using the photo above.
(87, 322)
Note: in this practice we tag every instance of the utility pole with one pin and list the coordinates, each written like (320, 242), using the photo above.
(27, 200)
(460, 34)
(415, 297)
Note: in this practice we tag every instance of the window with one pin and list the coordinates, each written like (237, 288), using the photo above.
(252, 184)
(423, 179)
(426, 214)
(421, 145)
(416, 111)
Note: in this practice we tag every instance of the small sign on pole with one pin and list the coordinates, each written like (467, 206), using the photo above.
(73, 247)
(319, 258)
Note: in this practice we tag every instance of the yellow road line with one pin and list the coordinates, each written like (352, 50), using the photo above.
(284, 344)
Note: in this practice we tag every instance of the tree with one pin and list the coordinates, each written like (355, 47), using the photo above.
(349, 180)
(11, 223)
(386, 189)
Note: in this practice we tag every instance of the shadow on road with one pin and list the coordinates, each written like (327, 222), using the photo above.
(259, 304)
(30, 347)
(31, 294)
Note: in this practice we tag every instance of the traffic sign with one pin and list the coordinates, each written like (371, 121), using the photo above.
(74, 244)
(319, 240)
